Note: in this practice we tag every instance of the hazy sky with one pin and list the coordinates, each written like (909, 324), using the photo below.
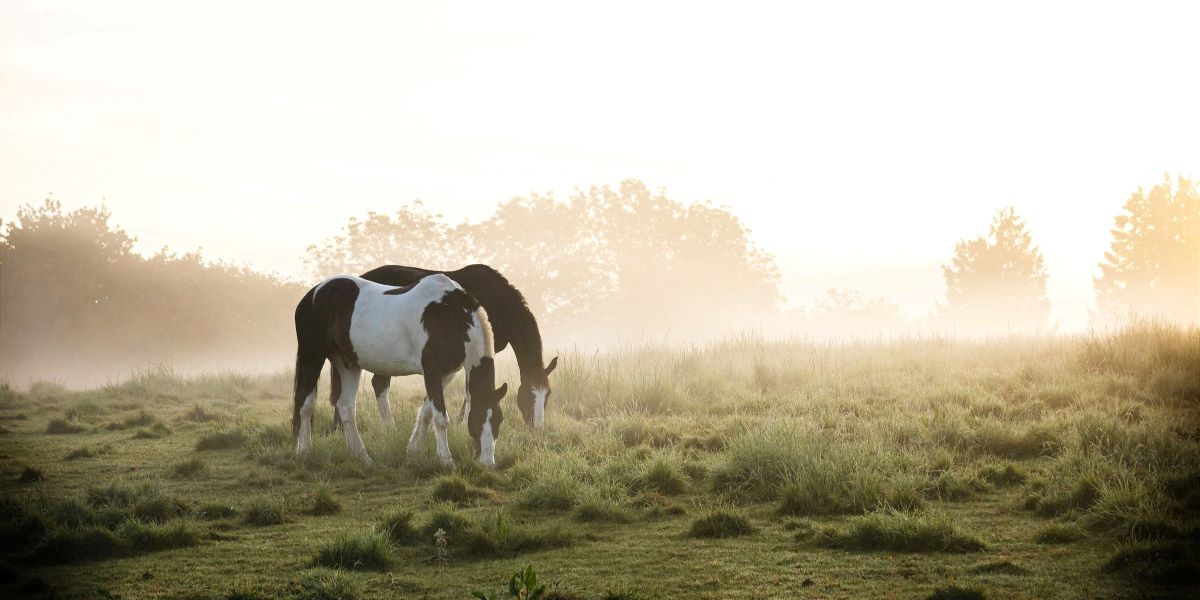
(859, 141)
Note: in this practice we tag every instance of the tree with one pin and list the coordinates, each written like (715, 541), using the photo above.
(607, 259)
(997, 282)
(1153, 265)
(413, 237)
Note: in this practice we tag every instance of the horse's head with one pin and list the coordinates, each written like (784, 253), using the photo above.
(484, 424)
(532, 396)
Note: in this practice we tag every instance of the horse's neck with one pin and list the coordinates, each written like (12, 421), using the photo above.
(526, 342)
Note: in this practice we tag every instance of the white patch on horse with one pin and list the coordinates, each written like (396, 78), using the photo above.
(539, 406)
(304, 440)
(487, 443)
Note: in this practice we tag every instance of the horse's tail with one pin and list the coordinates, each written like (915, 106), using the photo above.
(310, 356)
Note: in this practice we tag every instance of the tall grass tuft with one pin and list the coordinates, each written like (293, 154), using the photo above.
(896, 531)
(363, 551)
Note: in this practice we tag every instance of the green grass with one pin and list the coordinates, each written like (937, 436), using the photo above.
(859, 466)
(897, 531)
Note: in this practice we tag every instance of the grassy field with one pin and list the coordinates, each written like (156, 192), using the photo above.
(1065, 467)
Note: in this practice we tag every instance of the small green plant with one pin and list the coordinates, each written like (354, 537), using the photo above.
(523, 585)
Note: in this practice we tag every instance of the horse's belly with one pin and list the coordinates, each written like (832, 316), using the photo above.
(386, 350)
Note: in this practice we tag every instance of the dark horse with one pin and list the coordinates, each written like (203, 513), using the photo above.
(511, 322)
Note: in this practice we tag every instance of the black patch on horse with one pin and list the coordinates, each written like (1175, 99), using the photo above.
(322, 333)
(446, 321)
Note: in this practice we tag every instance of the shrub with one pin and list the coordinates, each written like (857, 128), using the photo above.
(365, 551)
(88, 452)
(398, 527)
(158, 508)
(1004, 474)
(1172, 562)
(199, 415)
(448, 519)
(720, 524)
(497, 537)
(554, 490)
(1000, 567)
(221, 440)
(323, 585)
(216, 510)
(264, 511)
(663, 474)
(30, 475)
(596, 507)
(77, 544)
(190, 469)
(60, 426)
(897, 531)
(150, 537)
(1059, 534)
(954, 592)
(324, 502)
(455, 488)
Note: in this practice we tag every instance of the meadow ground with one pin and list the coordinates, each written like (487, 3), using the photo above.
(1066, 467)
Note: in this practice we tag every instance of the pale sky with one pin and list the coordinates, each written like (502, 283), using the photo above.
(858, 141)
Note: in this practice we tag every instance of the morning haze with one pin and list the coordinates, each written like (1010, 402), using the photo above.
(764, 300)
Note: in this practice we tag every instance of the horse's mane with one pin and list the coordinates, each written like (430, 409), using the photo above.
(509, 313)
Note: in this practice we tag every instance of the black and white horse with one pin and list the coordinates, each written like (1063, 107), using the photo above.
(511, 319)
(431, 327)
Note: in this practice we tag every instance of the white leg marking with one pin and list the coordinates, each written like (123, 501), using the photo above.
(346, 410)
(424, 414)
(304, 440)
(539, 407)
(466, 409)
(441, 429)
(487, 443)
(385, 409)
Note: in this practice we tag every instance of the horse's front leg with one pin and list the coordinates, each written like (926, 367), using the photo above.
(435, 387)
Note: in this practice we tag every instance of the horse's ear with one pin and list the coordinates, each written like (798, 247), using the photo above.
(550, 367)
(501, 391)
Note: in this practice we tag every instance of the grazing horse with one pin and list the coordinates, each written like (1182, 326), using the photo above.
(431, 327)
(511, 322)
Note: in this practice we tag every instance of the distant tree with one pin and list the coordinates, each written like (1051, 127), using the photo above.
(74, 296)
(606, 256)
(997, 282)
(413, 236)
(1153, 265)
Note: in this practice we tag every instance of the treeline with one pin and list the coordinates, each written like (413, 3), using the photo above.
(607, 263)
(78, 304)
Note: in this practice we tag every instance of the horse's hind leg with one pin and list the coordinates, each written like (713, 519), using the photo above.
(308, 369)
(346, 409)
(381, 383)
